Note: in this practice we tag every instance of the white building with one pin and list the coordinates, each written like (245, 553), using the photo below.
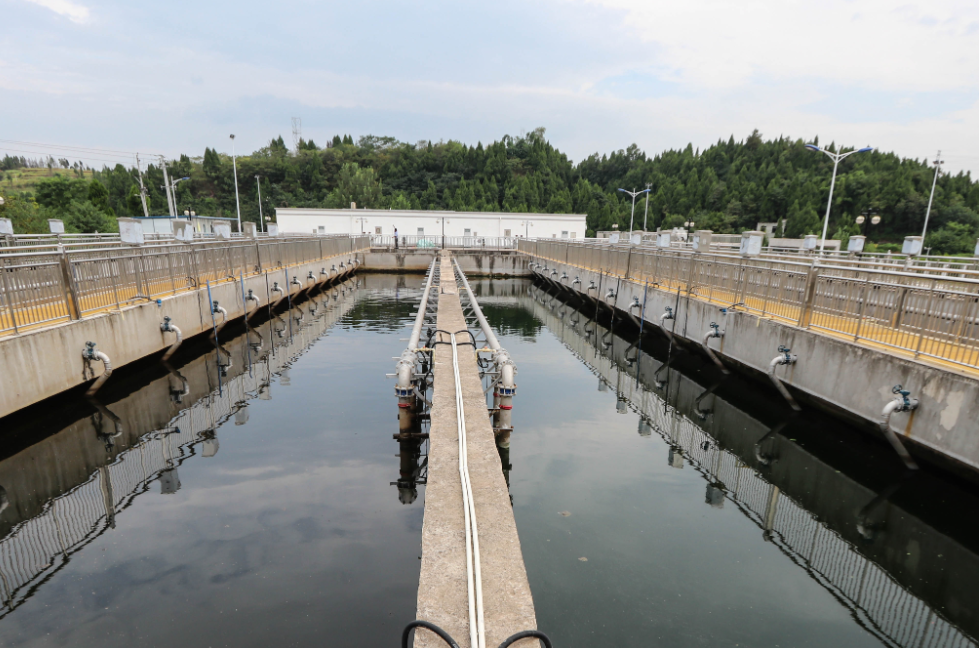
(429, 223)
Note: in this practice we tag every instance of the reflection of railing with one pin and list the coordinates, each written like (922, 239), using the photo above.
(54, 286)
(876, 600)
(453, 242)
(924, 314)
(36, 548)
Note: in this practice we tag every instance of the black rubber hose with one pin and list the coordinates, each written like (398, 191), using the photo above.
(434, 628)
(523, 635)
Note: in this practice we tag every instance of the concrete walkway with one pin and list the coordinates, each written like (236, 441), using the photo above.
(442, 590)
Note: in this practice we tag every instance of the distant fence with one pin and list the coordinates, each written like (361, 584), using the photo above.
(49, 286)
(925, 314)
(448, 242)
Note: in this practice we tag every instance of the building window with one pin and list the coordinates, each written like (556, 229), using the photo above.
(553, 235)
(322, 228)
(564, 233)
(506, 232)
(574, 235)
(467, 232)
(377, 230)
(421, 231)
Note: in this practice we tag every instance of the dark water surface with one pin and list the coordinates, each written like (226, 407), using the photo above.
(289, 535)
(246, 498)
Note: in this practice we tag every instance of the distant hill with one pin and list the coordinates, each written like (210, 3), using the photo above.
(727, 187)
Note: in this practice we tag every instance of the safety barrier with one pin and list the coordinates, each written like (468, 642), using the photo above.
(45, 287)
(448, 242)
(919, 313)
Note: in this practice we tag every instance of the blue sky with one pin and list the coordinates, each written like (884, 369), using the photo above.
(598, 74)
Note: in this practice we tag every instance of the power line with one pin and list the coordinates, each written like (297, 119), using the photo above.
(88, 158)
(66, 147)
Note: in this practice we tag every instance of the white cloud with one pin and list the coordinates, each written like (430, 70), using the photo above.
(718, 43)
(74, 12)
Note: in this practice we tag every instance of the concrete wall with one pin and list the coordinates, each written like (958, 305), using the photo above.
(357, 221)
(472, 262)
(849, 379)
(39, 364)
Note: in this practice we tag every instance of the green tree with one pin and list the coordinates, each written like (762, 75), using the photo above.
(98, 195)
(86, 217)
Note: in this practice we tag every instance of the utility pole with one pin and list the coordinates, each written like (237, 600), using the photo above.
(234, 164)
(142, 188)
(261, 220)
(166, 188)
(934, 181)
(649, 187)
(297, 133)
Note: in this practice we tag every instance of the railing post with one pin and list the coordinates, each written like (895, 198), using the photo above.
(808, 299)
(68, 282)
(8, 295)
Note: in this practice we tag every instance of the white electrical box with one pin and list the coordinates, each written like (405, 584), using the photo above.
(636, 238)
(131, 231)
(912, 245)
(6, 227)
(977, 248)
(751, 243)
(272, 229)
(701, 240)
(251, 230)
(810, 242)
(183, 230)
(663, 239)
(856, 243)
(222, 229)
(613, 238)
(55, 226)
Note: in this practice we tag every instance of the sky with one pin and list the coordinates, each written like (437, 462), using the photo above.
(599, 75)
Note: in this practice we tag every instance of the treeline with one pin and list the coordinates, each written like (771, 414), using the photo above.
(727, 187)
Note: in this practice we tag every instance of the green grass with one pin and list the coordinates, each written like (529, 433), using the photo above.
(18, 180)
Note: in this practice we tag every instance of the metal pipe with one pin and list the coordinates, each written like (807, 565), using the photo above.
(168, 327)
(714, 332)
(405, 368)
(251, 297)
(215, 308)
(275, 288)
(89, 354)
(667, 315)
(901, 403)
(783, 358)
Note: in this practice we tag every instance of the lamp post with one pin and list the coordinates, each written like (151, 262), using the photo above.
(864, 217)
(234, 164)
(934, 181)
(261, 221)
(836, 157)
(649, 188)
(633, 193)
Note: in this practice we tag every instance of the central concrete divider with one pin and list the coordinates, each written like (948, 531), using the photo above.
(442, 588)
(475, 262)
(44, 362)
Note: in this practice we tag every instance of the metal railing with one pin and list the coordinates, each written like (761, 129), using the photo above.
(50, 286)
(931, 315)
(451, 242)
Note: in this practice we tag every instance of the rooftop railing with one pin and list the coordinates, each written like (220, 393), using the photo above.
(437, 242)
(40, 286)
(910, 310)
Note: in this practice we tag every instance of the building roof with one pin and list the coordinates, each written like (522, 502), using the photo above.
(318, 211)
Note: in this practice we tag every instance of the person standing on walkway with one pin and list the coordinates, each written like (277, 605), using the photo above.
(395, 238)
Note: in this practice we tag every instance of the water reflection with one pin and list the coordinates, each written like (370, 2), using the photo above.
(67, 490)
(891, 552)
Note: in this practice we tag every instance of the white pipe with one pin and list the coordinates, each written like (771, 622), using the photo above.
(91, 354)
(477, 638)
(714, 332)
(897, 405)
(275, 288)
(224, 313)
(783, 358)
(166, 326)
(251, 297)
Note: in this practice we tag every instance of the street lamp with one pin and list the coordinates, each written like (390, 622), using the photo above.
(934, 181)
(836, 157)
(261, 220)
(864, 217)
(234, 163)
(633, 193)
(172, 189)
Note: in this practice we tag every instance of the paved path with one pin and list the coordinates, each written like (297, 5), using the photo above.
(442, 590)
